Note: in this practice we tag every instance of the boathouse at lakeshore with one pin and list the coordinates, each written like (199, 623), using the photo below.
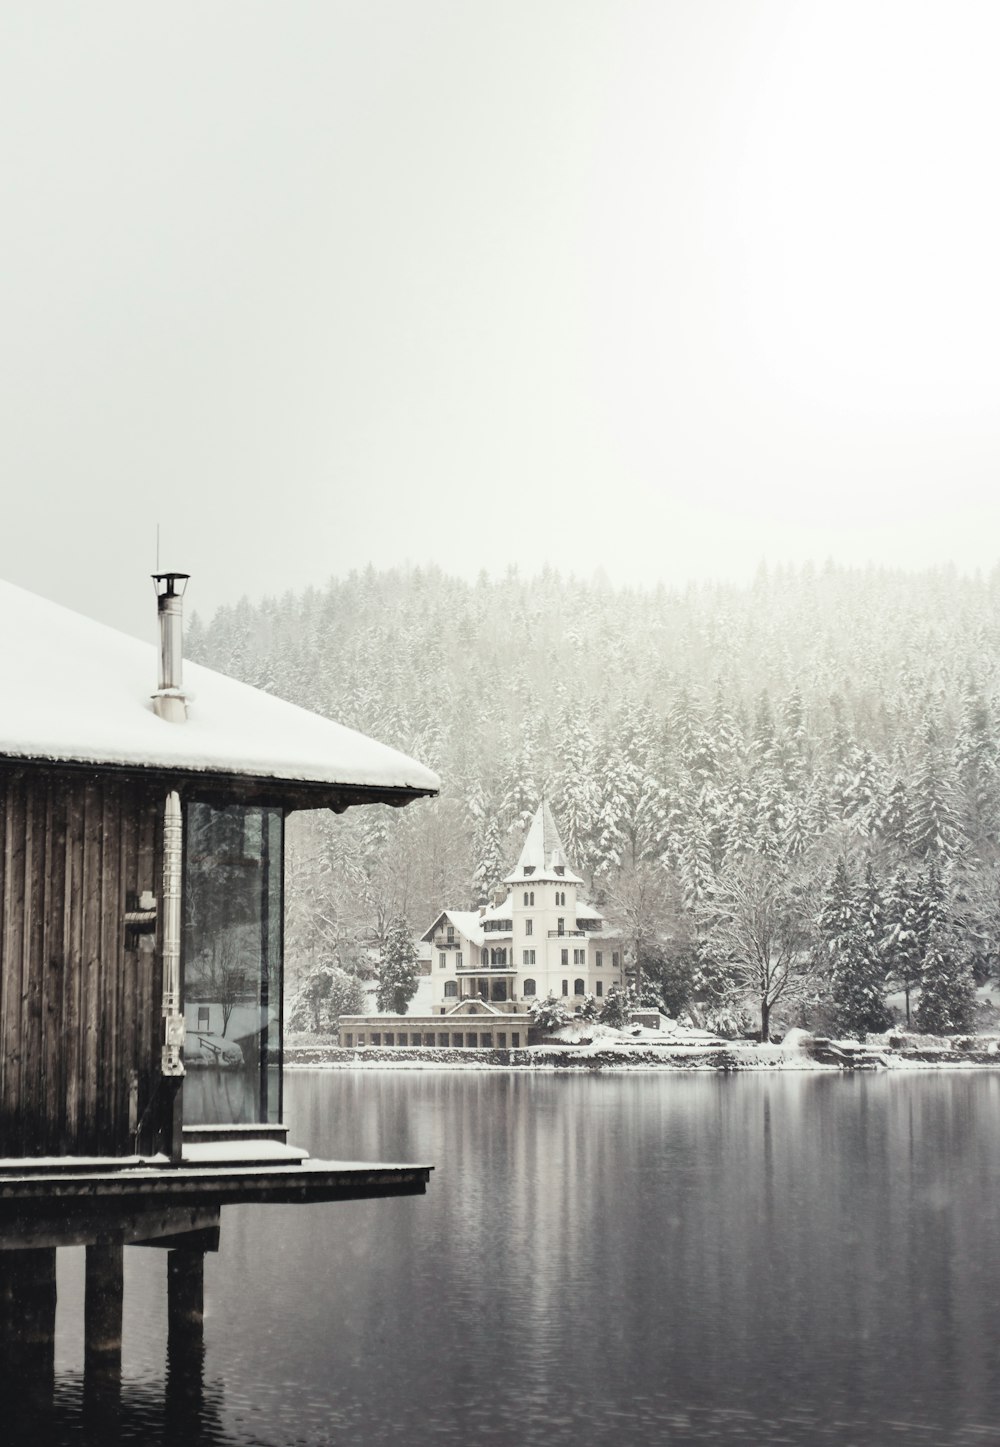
(141, 848)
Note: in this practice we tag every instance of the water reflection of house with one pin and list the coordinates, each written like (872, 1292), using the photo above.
(540, 937)
(141, 859)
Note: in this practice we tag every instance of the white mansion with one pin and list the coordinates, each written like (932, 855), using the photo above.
(539, 938)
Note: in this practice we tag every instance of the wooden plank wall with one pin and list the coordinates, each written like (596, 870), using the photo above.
(79, 1011)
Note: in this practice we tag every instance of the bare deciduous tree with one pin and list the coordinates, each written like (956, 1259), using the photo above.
(757, 928)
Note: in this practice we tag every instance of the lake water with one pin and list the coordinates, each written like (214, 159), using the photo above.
(628, 1259)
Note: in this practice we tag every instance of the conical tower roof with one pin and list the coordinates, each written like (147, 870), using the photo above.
(543, 855)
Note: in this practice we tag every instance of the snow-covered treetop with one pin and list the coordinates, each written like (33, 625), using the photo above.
(76, 691)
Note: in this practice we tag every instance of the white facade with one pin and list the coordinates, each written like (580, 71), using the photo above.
(543, 938)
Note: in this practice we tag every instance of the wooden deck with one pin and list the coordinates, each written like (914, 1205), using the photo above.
(208, 1177)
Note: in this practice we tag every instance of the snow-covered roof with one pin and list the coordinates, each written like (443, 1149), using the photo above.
(499, 911)
(465, 921)
(543, 856)
(76, 691)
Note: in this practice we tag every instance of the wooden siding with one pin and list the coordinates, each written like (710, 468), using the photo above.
(79, 1005)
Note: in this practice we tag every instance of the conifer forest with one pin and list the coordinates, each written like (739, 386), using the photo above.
(786, 795)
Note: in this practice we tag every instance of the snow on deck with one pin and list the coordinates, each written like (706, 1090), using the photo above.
(76, 691)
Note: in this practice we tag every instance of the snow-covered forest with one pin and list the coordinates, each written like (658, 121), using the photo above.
(820, 749)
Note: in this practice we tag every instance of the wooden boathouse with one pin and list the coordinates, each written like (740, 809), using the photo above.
(142, 820)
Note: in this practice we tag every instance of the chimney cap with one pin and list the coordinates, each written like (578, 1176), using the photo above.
(170, 581)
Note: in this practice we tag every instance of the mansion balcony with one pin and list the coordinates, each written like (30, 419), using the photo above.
(447, 942)
(466, 970)
(568, 934)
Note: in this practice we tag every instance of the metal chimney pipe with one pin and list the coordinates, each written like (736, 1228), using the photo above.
(168, 700)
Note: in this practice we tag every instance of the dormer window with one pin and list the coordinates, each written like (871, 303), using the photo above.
(529, 869)
(560, 868)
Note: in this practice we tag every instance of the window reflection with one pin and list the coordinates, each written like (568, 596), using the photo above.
(232, 964)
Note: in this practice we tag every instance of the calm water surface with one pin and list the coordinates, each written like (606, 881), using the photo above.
(651, 1258)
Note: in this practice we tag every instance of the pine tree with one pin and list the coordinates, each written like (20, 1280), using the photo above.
(947, 989)
(490, 865)
(397, 971)
(934, 831)
(838, 917)
(694, 865)
(857, 980)
(323, 995)
(903, 945)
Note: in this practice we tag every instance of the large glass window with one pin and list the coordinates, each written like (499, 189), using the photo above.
(232, 964)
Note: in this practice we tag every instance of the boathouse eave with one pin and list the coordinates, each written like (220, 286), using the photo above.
(78, 692)
(205, 785)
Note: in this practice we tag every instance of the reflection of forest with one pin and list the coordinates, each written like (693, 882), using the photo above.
(744, 1242)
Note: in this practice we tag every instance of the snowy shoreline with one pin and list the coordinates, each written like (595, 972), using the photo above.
(728, 1060)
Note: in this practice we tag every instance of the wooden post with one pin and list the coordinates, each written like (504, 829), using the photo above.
(185, 1336)
(27, 1330)
(102, 1328)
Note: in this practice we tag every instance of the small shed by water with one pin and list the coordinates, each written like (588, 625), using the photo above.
(142, 818)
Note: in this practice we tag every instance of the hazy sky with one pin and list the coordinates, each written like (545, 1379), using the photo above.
(664, 287)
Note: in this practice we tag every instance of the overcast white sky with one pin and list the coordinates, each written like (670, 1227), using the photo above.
(659, 286)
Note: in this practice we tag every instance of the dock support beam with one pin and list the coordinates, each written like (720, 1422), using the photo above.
(27, 1332)
(185, 1335)
(102, 1328)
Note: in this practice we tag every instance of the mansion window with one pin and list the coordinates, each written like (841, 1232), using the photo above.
(579, 957)
(578, 987)
(484, 957)
(450, 989)
(565, 987)
(458, 960)
(600, 988)
(528, 927)
(560, 926)
(615, 959)
(564, 957)
(527, 957)
(600, 958)
(529, 989)
(442, 960)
